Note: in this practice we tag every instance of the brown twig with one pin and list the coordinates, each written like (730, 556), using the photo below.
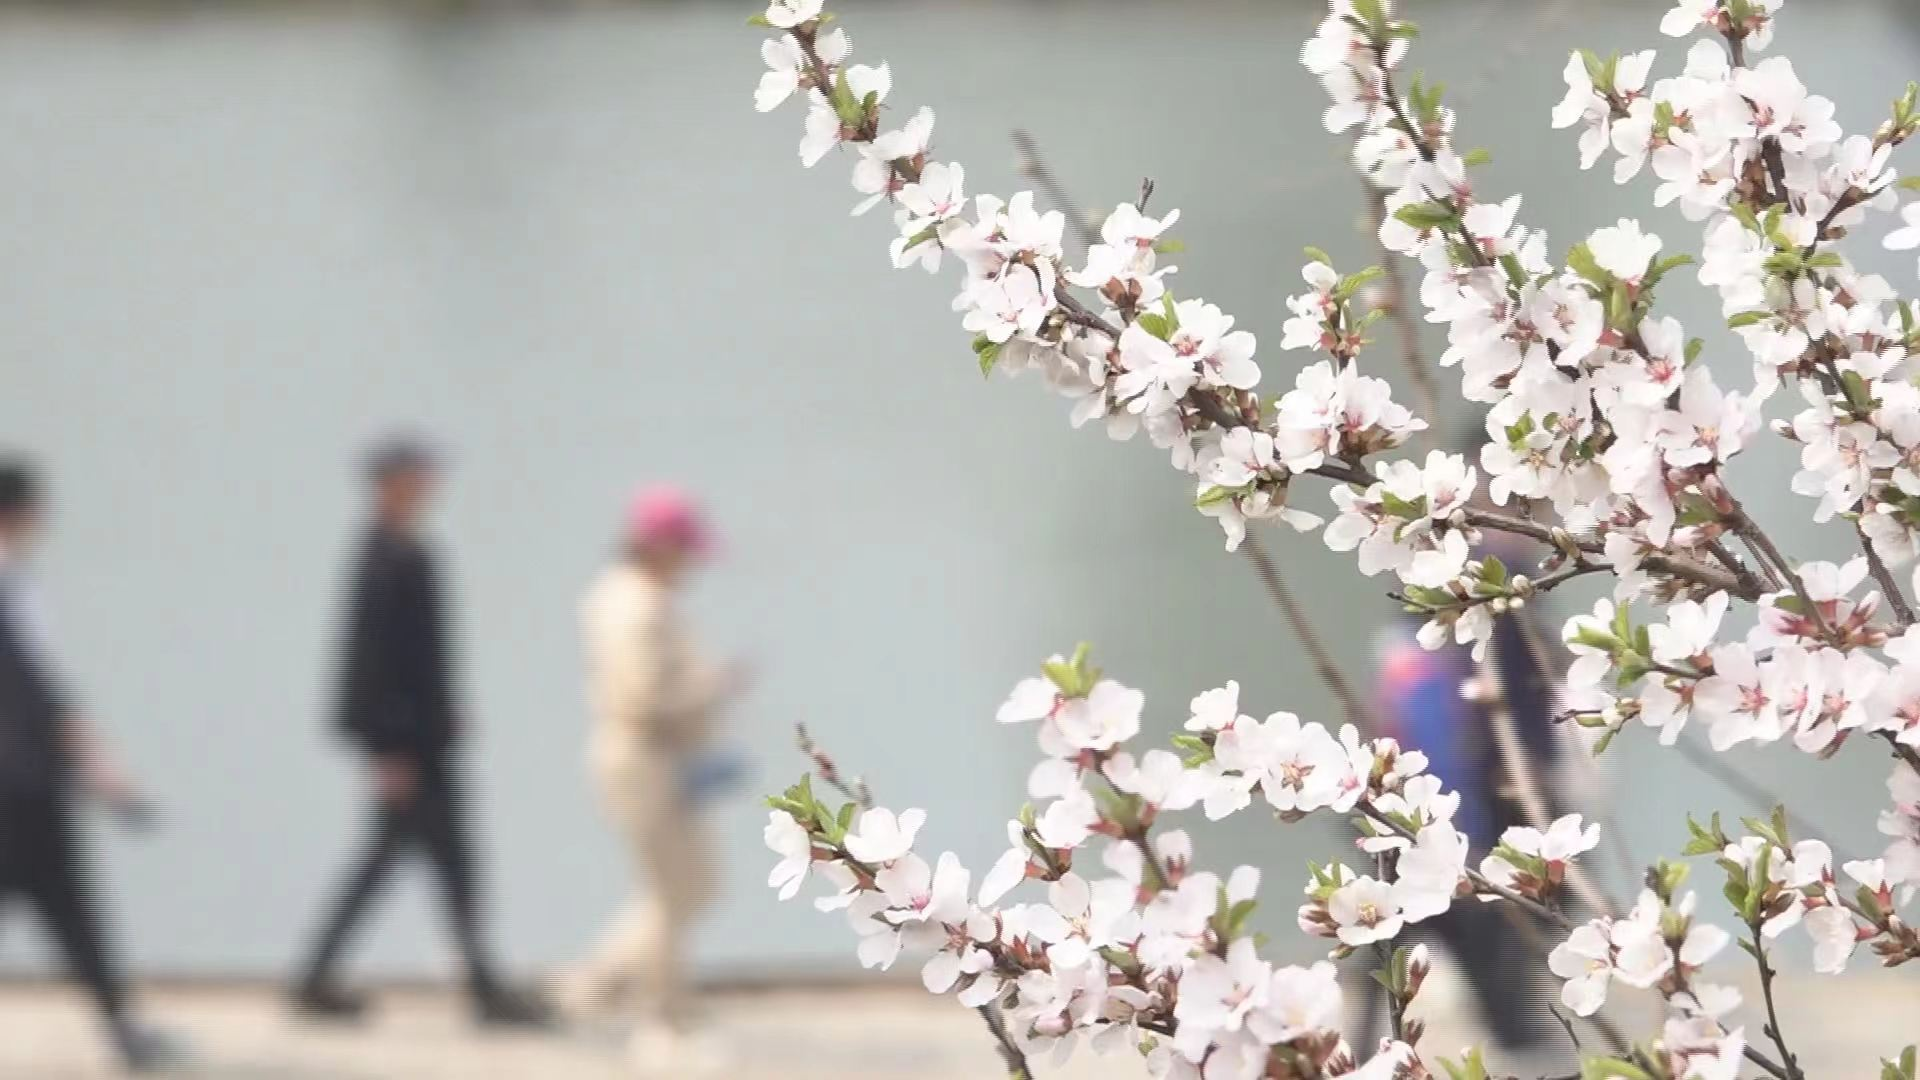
(1772, 1027)
(1889, 585)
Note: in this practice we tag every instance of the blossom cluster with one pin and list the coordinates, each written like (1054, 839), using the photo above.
(1128, 941)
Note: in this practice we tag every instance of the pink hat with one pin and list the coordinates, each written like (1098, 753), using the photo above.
(667, 515)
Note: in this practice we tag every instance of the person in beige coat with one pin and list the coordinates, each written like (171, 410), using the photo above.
(654, 699)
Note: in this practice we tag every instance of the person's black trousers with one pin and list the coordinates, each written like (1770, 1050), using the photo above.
(432, 823)
(43, 864)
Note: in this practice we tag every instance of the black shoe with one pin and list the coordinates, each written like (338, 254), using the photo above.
(144, 1049)
(506, 1008)
(330, 1003)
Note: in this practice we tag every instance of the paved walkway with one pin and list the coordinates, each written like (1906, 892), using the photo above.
(1840, 1028)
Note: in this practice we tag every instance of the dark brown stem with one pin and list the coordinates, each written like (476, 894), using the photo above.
(1902, 751)
(1792, 1064)
(1889, 585)
(1741, 571)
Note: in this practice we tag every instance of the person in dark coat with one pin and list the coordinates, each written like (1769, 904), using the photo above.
(397, 706)
(48, 756)
(1440, 702)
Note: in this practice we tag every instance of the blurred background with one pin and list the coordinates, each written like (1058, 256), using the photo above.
(241, 238)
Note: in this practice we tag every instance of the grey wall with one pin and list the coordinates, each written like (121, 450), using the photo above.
(235, 242)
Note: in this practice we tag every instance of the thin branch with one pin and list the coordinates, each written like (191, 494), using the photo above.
(1772, 1027)
(1889, 585)
(1741, 571)
(1764, 548)
(1323, 664)
(1901, 750)
(855, 792)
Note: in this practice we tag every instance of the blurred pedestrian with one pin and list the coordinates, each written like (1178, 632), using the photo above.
(48, 750)
(654, 698)
(399, 708)
(1449, 707)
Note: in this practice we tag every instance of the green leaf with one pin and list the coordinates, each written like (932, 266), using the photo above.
(1909, 183)
(1619, 306)
(1477, 156)
(1596, 67)
(1238, 915)
(1581, 261)
(1371, 15)
(1664, 267)
(1763, 830)
(1169, 246)
(845, 106)
(1516, 274)
(1784, 264)
(1402, 508)
(1217, 494)
(1694, 345)
(1155, 325)
(1493, 571)
(760, 19)
(1758, 886)
(1314, 254)
(1747, 318)
(1426, 215)
(1354, 282)
(988, 357)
